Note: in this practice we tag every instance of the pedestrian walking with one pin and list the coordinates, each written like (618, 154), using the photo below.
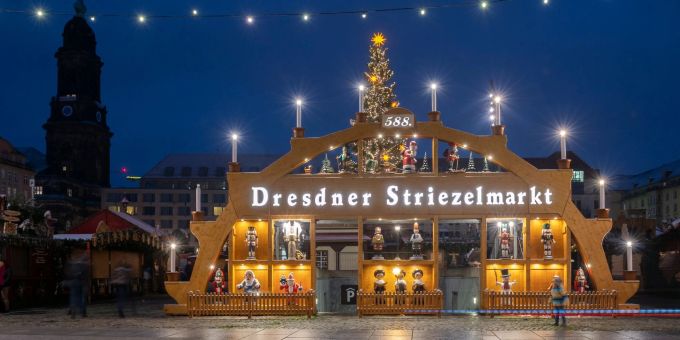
(5, 282)
(120, 280)
(77, 274)
(559, 300)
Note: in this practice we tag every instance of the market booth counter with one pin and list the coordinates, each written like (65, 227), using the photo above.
(506, 198)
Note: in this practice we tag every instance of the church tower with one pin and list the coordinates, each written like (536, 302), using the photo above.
(78, 139)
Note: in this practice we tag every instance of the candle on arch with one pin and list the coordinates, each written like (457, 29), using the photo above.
(298, 113)
(563, 144)
(433, 87)
(361, 97)
(198, 197)
(602, 183)
(234, 148)
(172, 257)
(629, 256)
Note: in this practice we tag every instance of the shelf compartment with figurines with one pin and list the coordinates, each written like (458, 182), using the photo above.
(291, 240)
(548, 239)
(250, 240)
(397, 240)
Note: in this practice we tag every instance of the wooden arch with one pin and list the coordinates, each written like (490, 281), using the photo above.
(589, 233)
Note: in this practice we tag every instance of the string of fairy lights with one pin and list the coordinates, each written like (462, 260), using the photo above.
(305, 16)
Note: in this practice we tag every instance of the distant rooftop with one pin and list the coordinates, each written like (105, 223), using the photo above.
(652, 176)
(196, 165)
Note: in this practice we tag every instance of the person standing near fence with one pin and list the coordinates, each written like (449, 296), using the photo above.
(559, 300)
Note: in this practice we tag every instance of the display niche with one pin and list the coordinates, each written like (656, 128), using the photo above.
(291, 240)
(505, 238)
(397, 240)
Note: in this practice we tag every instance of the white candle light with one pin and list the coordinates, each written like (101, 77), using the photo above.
(198, 197)
(433, 86)
(629, 255)
(172, 257)
(563, 144)
(602, 183)
(497, 100)
(361, 98)
(298, 113)
(234, 150)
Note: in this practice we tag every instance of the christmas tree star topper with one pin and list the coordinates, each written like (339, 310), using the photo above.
(378, 39)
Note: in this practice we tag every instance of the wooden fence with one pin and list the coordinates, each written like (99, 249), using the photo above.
(595, 300)
(211, 304)
(430, 302)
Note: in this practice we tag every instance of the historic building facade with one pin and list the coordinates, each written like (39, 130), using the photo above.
(77, 135)
(16, 176)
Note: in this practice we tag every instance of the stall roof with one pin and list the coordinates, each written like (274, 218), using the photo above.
(113, 220)
(72, 236)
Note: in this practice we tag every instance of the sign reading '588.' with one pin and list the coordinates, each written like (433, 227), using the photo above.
(402, 120)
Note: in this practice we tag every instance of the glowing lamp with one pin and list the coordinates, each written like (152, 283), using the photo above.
(396, 271)
(141, 18)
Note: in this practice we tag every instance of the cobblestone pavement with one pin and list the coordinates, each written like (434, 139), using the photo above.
(150, 323)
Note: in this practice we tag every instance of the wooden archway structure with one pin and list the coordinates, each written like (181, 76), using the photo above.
(589, 233)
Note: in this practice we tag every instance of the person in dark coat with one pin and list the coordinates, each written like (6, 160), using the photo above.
(5, 282)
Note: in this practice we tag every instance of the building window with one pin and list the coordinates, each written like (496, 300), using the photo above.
(166, 198)
(204, 198)
(38, 190)
(183, 224)
(150, 222)
(184, 198)
(322, 259)
(203, 171)
(675, 194)
(169, 171)
(69, 192)
(149, 197)
(186, 171)
(166, 223)
(596, 204)
(131, 210)
(217, 211)
(577, 177)
(675, 207)
(131, 197)
(114, 208)
(183, 211)
(114, 197)
(219, 198)
(148, 211)
(166, 211)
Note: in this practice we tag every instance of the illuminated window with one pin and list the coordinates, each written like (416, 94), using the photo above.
(217, 211)
(114, 208)
(130, 210)
(322, 259)
(69, 192)
(578, 176)
(38, 190)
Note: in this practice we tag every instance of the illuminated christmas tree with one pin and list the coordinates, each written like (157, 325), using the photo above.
(426, 165)
(326, 167)
(486, 165)
(380, 154)
(471, 164)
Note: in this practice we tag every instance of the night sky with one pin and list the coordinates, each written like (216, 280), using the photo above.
(608, 70)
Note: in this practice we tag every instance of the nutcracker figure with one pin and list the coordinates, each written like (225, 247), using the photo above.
(408, 158)
(416, 243)
(451, 155)
(218, 284)
(291, 233)
(548, 241)
(250, 284)
(418, 284)
(251, 242)
(379, 283)
(580, 281)
(504, 237)
(378, 242)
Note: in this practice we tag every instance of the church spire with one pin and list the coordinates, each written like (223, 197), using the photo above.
(80, 8)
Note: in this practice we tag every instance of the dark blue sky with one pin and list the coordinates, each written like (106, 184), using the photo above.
(607, 69)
